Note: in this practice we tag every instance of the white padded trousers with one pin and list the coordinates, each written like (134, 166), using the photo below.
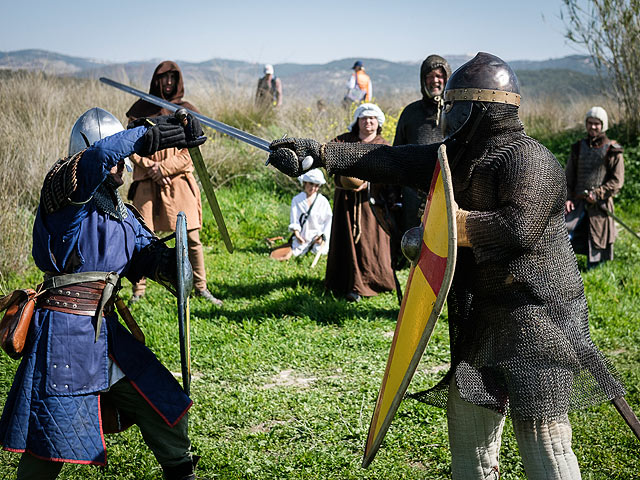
(475, 435)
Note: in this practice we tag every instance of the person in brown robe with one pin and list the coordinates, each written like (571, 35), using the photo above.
(595, 173)
(359, 260)
(164, 185)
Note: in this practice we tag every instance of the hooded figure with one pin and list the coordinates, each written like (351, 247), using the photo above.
(142, 108)
(164, 185)
(419, 124)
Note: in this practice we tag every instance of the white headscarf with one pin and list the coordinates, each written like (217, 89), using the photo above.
(367, 110)
(600, 114)
(312, 176)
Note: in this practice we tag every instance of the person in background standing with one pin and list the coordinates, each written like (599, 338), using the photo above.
(359, 261)
(269, 91)
(359, 86)
(595, 173)
(163, 183)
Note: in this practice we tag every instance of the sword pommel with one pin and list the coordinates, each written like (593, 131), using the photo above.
(181, 114)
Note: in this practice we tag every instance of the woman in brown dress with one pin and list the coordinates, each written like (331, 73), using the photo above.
(359, 261)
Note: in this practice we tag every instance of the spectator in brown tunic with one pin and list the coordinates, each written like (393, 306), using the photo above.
(164, 185)
(595, 173)
(359, 261)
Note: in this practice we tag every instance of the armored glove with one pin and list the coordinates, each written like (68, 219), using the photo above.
(166, 131)
(294, 156)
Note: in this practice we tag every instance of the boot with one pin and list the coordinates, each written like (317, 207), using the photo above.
(182, 471)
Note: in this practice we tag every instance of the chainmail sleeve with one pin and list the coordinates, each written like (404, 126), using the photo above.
(410, 165)
(532, 192)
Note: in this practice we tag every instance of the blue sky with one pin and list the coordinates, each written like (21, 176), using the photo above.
(274, 31)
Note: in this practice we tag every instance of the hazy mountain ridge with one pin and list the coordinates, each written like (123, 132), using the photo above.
(571, 75)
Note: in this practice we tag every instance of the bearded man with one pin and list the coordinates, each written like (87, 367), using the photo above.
(595, 174)
(419, 124)
(517, 311)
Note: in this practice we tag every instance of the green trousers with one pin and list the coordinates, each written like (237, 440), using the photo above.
(170, 445)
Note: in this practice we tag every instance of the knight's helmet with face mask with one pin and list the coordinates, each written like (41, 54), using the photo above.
(472, 88)
(93, 125)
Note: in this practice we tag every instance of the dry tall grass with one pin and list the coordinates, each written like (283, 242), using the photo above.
(40, 110)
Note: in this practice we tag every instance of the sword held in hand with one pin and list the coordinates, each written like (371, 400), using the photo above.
(196, 156)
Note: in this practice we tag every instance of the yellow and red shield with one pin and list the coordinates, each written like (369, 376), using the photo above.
(427, 288)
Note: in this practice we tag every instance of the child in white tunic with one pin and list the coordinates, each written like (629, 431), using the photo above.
(310, 217)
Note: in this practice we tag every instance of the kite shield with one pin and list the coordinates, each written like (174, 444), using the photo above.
(427, 288)
(184, 286)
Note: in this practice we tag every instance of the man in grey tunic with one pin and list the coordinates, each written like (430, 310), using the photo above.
(518, 317)
(595, 173)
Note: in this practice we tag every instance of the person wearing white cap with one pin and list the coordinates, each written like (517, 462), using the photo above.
(359, 262)
(269, 91)
(310, 216)
(595, 173)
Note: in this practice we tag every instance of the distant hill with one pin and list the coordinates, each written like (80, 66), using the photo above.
(573, 75)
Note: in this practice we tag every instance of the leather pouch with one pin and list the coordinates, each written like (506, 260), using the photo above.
(14, 326)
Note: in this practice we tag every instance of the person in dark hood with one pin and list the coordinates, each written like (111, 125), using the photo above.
(163, 184)
(419, 124)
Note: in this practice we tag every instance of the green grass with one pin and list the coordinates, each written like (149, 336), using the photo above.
(286, 376)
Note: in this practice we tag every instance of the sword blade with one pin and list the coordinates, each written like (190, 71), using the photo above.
(243, 136)
(617, 219)
(629, 416)
(203, 174)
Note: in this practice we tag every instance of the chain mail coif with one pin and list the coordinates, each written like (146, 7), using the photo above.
(108, 200)
(520, 341)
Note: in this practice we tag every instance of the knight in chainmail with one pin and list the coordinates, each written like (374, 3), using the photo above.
(82, 373)
(517, 311)
(595, 174)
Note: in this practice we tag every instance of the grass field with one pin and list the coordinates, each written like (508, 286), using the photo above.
(285, 377)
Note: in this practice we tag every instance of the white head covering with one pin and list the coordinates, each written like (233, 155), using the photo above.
(601, 114)
(367, 110)
(312, 176)
(268, 69)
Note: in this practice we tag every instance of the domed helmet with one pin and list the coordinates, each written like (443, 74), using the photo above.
(483, 79)
(93, 125)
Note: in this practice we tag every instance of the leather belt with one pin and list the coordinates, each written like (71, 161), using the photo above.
(78, 299)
